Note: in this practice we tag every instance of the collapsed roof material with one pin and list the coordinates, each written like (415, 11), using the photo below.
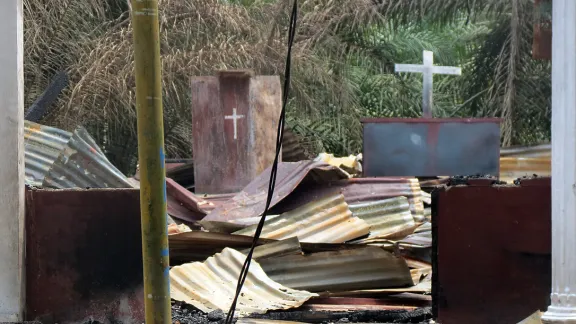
(210, 285)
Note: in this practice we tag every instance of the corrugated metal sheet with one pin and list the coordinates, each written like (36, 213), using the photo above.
(83, 165)
(357, 190)
(197, 246)
(42, 146)
(327, 220)
(422, 239)
(424, 287)
(252, 200)
(370, 189)
(518, 162)
(183, 204)
(526, 151)
(426, 198)
(276, 249)
(220, 227)
(428, 214)
(59, 159)
(210, 285)
(386, 218)
(362, 268)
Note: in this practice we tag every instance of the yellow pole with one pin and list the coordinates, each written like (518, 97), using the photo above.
(151, 157)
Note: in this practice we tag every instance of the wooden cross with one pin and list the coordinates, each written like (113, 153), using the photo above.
(234, 118)
(428, 70)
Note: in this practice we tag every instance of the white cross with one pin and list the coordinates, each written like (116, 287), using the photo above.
(235, 118)
(428, 70)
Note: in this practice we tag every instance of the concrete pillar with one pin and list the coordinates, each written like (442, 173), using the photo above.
(563, 308)
(11, 161)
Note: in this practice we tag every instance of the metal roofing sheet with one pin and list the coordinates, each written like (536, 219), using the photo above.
(423, 287)
(276, 249)
(42, 146)
(327, 220)
(517, 162)
(197, 245)
(421, 239)
(210, 286)
(368, 267)
(386, 217)
(83, 165)
(527, 151)
(357, 190)
(183, 204)
(251, 201)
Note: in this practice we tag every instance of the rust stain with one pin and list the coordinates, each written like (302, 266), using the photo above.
(493, 247)
(84, 256)
(251, 201)
(231, 147)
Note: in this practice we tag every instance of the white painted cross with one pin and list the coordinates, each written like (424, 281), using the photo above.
(428, 70)
(234, 118)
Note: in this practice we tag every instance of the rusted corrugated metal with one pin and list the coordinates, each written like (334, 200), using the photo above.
(183, 204)
(42, 146)
(354, 269)
(420, 239)
(252, 200)
(518, 162)
(83, 165)
(424, 287)
(357, 190)
(387, 218)
(216, 200)
(59, 159)
(276, 249)
(197, 246)
(527, 151)
(327, 220)
(208, 286)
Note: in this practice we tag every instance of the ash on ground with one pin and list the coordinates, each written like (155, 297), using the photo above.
(186, 314)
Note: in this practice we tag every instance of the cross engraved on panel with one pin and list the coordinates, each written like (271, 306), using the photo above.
(234, 118)
(428, 70)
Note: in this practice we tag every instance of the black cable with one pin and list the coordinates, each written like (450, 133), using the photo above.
(274, 169)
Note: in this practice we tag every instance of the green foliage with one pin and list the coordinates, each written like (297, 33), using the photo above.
(343, 64)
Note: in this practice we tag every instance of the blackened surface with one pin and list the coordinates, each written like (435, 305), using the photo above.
(84, 253)
(370, 316)
(435, 286)
(41, 106)
(431, 147)
(493, 252)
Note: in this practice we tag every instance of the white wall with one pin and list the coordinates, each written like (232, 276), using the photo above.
(11, 161)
